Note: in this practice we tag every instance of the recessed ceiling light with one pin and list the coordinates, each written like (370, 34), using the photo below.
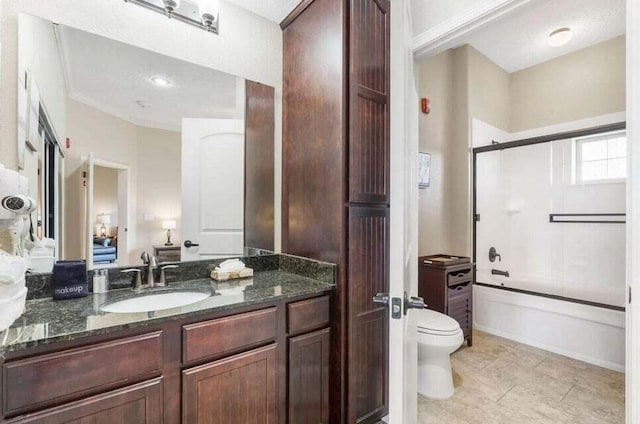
(161, 81)
(560, 37)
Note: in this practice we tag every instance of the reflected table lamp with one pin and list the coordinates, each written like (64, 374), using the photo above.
(169, 224)
(104, 220)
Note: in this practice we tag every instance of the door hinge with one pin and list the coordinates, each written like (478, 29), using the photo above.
(629, 295)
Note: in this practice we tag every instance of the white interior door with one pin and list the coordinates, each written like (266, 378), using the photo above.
(212, 188)
(403, 386)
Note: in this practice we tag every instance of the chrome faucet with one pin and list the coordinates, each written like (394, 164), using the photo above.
(151, 262)
(498, 272)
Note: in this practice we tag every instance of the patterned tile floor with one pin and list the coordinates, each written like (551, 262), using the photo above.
(499, 381)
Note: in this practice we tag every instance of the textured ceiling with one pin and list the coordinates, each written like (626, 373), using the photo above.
(519, 40)
(114, 78)
(274, 10)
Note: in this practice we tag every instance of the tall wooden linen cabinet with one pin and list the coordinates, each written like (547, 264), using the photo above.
(335, 189)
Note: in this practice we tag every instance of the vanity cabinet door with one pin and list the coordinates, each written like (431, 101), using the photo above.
(309, 378)
(240, 389)
(140, 404)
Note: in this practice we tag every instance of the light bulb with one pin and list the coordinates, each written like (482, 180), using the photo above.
(170, 5)
(209, 10)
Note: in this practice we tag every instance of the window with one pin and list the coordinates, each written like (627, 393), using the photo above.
(601, 158)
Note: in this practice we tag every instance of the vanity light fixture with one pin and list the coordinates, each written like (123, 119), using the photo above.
(161, 81)
(201, 13)
(560, 37)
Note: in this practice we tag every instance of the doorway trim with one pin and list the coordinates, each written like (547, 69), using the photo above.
(633, 214)
(124, 190)
(443, 35)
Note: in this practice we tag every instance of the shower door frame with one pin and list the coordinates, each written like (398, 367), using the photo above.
(547, 138)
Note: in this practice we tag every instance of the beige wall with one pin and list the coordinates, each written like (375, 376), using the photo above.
(159, 186)
(463, 84)
(443, 79)
(588, 82)
(109, 139)
(489, 90)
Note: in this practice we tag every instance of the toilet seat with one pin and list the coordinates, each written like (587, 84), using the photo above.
(436, 323)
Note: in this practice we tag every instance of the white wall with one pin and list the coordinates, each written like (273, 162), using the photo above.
(248, 46)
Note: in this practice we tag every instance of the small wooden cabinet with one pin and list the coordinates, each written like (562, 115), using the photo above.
(309, 359)
(240, 389)
(167, 253)
(448, 289)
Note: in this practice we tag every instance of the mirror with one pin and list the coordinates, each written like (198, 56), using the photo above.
(129, 151)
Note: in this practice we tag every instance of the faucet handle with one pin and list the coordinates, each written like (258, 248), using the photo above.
(163, 276)
(137, 286)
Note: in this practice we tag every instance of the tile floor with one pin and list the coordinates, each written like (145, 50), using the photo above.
(499, 381)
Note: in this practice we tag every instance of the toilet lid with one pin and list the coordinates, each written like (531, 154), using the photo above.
(429, 321)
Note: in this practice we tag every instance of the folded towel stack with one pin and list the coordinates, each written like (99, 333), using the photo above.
(42, 255)
(70, 280)
(13, 293)
(231, 269)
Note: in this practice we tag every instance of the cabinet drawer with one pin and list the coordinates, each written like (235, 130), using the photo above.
(459, 308)
(308, 314)
(458, 289)
(224, 335)
(35, 382)
(458, 276)
(141, 404)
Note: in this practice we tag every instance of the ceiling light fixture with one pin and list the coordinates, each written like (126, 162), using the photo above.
(201, 13)
(209, 10)
(560, 37)
(161, 81)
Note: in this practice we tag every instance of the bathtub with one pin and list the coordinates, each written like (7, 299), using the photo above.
(587, 332)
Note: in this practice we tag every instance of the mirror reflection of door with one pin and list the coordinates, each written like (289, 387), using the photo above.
(212, 188)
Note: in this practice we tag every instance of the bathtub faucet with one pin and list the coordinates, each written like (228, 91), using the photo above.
(498, 272)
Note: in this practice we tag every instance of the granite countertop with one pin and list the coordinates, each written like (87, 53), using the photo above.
(49, 321)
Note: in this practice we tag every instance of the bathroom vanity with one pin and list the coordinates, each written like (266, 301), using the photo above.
(254, 351)
(447, 288)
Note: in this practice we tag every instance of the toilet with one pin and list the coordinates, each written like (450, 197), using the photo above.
(438, 337)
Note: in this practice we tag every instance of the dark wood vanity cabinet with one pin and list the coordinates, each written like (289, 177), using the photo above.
(448, 289)
(335, 181)
(249, 366)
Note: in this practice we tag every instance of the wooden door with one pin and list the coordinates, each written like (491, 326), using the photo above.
(236, 390)
(368, 322)
(140, 403)
(369, 102)
(309, 378)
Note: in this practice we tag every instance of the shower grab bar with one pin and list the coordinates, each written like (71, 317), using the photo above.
(607, 218)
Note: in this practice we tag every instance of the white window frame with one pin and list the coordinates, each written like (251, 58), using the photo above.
(577, 158)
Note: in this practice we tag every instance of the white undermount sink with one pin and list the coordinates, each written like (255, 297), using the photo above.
(154, 302)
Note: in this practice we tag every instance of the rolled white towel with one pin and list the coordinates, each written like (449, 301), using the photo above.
(230, 265)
